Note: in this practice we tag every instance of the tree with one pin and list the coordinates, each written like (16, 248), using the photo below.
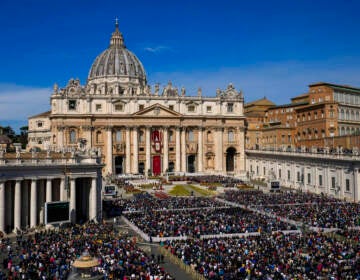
(23, 137)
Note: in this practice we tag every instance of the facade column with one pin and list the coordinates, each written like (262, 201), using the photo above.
(88, 135)
(147, 150)
(17, 205)
(48, 190)
(109, 141)
(183, 149)
(166, 149)
(60, 137)
(135, 167)
(241, 152)
(33, 204)
(93, 197)
(128, 151)
(200, 149)
(177, 147)
(72, 200)
(2, 206)
(219, 150)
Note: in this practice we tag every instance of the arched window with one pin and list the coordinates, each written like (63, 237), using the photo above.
(352, 115)
(118, 136)
(72, 136)
(342, 115)
(347, 115)
(357, 115)
(231, 136)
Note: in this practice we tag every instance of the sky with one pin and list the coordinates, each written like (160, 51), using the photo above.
(264, 48)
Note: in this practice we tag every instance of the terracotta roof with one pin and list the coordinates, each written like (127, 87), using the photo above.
(44, 114)
(263, 102)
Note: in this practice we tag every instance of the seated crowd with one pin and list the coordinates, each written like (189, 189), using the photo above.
(145, 201)
(50, 254)
(204, 222)
(261, 198)
(276, 256)
(339, 215)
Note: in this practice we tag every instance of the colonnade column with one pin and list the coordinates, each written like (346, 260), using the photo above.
(135, 167)
(166, 150)
(147, 149)
(62, 189)
(72, 200)
(17, 205)
(177, 147)
(48, 190)
(127, 151)
(219, 151)
(33, 204)
(200, 149)
(183, 150)
(109, 150)
(93, 196)
(2, 206)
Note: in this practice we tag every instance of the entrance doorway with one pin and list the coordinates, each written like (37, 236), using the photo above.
(171, 166)
(119, 165)
(230, 159)
(141, 167)
(191, 163)
(156, 165)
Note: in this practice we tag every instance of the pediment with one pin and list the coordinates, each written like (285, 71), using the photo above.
(157, 110)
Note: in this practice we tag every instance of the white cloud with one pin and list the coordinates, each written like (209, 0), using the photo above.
(17, 103)
(156, 49)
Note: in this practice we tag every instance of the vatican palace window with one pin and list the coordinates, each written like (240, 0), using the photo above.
(72, 104)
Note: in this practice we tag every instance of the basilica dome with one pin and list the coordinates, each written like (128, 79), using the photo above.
(117, 62)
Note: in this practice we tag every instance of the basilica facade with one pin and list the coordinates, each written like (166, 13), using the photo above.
(140, 129)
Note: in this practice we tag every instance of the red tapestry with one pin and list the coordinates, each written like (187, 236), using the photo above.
(156, 165)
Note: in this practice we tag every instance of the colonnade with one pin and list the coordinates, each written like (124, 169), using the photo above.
(22, 200)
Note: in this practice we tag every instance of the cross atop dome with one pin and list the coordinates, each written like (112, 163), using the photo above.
(117, 39)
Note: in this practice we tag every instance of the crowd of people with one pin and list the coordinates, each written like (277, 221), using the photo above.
(327, 215)
(208, 221)
(258, 197)
(50, 254)
(275, 256)
(145, 201)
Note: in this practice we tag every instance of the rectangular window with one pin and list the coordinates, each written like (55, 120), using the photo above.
(191, 108)
(288, 175)
(230, 107)
(264, 171)
(208, 109)
(320, 180)
(309, 178)
(141, 106)
(40, 124)
(298, 176)
(98, 107)
(333, 182)
(279, 173)
(119, 107)
(347, 185)
(72, 104)
(171, 107)
(257, 170)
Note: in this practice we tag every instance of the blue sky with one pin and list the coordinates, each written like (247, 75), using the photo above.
(265, 48)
